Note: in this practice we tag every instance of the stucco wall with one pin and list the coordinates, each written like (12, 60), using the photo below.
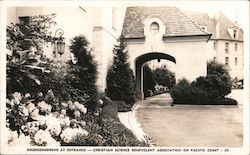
(190, 55)
(234, 70)
(95, 23)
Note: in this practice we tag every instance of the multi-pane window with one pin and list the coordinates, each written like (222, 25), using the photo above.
(235, 47)
(226, 60)
(236, 61)
(226, 47)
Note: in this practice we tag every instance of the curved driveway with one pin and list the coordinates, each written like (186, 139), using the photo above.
(191, 125)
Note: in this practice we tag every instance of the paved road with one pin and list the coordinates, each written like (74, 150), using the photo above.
(191, 125)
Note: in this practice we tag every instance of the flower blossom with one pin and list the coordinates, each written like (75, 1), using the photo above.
(64, 105)
(43, 106)
(68, 134)
(53, 126)
(64, 121)
(33, 127)
(81, 107)
(101, 101)
(31, 107)
(63, 111)
(27, 95)
(14, 140)
(23, 111)
(42, 137)
(17, 97)
(77, 114)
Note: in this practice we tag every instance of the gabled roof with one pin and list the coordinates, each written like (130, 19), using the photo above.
(223, 22)
(202, 19)
(224, 25)
(176, 23)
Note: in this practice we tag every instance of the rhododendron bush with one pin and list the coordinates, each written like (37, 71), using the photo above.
(55, 102)
(36, 123)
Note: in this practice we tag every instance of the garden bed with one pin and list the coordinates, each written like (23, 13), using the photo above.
(226, 101)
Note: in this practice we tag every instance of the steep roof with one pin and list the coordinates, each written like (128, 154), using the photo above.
(224, 25)
(223, 22)
(176, 23)
(202, 19)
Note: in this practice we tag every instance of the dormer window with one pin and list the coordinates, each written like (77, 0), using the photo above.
(235, 34)
(154, 28)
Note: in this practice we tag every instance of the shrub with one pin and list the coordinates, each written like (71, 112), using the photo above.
(205, 90)
(122, 106)
(164, 77)
(217, 83)
(41, 123)
(84, 70)
(109, 109)
(148, 80)
(25, 55)
(120, 79)
(108, 133)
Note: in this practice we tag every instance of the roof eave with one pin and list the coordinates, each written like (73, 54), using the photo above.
(184, 36)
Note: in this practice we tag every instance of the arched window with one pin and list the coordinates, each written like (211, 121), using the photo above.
(154, 28)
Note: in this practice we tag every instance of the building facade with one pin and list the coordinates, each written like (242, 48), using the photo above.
(226, 42)
(165, 33)
(100, 25)
(182, 40)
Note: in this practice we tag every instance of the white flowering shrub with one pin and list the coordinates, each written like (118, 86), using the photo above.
(32, 122)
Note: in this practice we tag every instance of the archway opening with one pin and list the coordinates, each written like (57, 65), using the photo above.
(139, 64)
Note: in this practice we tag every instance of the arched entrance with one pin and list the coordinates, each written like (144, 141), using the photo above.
(139, 61)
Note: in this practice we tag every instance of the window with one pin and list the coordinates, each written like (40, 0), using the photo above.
(214, 46)
(235, 47)
(236, 61)
(226, 60)
(226, 47)
(235, 34)
(154, 28)
(24, 23)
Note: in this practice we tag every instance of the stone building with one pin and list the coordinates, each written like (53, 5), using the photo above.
(226, 42)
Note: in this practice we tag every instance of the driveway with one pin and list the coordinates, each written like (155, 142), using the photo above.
(191, 125)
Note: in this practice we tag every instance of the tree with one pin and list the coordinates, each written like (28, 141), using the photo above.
(85, 70)
(148, 80)
(217, 83)
(120, 78)
(164, 77)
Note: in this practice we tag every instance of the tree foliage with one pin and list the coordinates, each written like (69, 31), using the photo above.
(217, 83)
(164, 77)
(25, 56)
(120, 79)
(148, 80)
(209, 89)
(85, 69)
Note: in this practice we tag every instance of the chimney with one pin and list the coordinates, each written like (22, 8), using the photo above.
(217, 22)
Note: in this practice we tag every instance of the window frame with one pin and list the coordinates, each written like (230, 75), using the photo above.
(227, 61)
(226, 47)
